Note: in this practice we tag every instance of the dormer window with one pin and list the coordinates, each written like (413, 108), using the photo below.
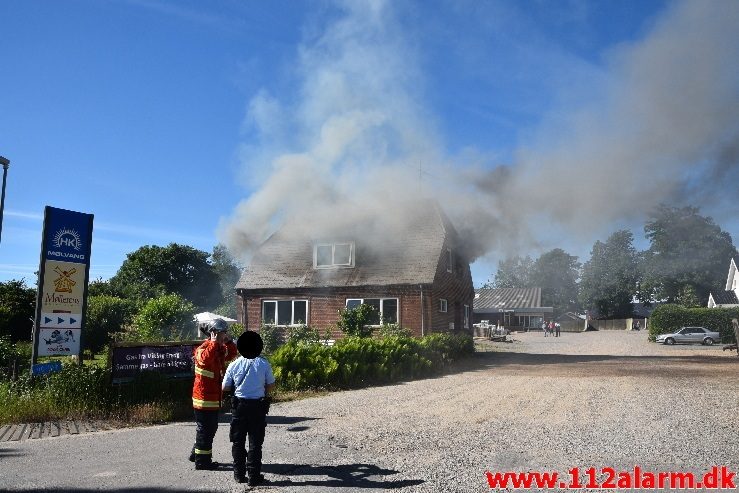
(333, 255)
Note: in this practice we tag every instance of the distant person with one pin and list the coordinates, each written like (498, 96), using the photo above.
(545, 327)
(210, 365)
(557, 328)
(251, 379)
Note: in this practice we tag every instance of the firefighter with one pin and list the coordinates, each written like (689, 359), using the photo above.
(210, 364)
(250, 378)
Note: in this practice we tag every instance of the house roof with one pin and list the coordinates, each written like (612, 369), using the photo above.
(642, 310)
(401, 256)
(725, 298)
(499, 299)
(569, 316)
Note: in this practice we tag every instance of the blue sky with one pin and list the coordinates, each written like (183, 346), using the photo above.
(176, 121)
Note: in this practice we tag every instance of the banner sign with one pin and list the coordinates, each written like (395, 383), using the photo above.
(63, 272)
(173, 361)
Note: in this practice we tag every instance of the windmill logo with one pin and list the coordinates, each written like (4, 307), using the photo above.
(64, 283)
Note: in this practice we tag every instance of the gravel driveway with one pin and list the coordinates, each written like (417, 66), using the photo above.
(537, 404)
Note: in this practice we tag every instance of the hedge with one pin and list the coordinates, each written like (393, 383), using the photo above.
(354, 362)
(669, 318)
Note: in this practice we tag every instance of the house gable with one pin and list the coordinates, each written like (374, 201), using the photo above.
(729, 297)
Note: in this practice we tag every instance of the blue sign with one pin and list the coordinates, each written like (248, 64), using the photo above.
(67, 236)
(44, 368)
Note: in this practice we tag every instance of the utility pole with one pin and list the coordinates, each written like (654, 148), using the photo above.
(6, 163)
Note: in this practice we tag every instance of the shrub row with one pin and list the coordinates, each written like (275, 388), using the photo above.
(301, 364)
(355, 362)
(86, 392)
(668, 318)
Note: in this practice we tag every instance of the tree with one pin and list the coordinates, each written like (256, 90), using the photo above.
(556, 272)
(99, 287)
(17, 310)
(152, 271)
(610, 277)
(688, 253)
(105, 315)
(513, 272)
(163, 318)
(228, 272)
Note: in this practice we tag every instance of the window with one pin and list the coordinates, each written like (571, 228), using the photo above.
(331, 255)
(285, 312)
(442, 305)
(449, 260)
(466, 323)
(385, 309)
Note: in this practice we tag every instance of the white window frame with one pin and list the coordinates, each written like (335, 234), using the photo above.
(382, 307)
(449, 260)
(443, 305)
(466, 323)
(292, 312)
(333, 264)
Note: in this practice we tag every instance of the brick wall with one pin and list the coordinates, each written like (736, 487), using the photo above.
(455, 287)
(324, 304)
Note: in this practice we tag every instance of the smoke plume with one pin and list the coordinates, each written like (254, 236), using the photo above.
(358, 140)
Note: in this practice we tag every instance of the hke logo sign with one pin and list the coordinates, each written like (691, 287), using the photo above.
(68, 238)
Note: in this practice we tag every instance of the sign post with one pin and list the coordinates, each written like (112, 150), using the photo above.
(64, 270)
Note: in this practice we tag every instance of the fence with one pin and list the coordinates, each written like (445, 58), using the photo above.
(617, 324)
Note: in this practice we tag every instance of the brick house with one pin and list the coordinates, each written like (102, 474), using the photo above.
(415, 276)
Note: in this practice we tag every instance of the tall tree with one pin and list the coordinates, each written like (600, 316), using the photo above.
(17, 309)
(228, 272)
(557, 272)
(513, 272)
(610, 277)
(688, 253)
(152, 271)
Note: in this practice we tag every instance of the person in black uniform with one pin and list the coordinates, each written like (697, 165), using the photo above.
(250, 378)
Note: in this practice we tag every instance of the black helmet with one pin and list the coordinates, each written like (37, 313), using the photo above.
(250, 344)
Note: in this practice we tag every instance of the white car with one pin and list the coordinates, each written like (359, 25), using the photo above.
(690, 334)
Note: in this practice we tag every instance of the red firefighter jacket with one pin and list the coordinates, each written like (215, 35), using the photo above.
(210, 365)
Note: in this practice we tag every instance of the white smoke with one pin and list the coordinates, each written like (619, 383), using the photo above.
(358, 135)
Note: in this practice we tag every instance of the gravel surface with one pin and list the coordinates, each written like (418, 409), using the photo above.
(537, 404)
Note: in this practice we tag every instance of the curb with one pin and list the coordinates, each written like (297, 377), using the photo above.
(50, 429)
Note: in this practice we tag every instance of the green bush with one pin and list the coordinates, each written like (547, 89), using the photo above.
(106, 315)
(354, 322)
(304, 334)
(160, 319)
(271, 338)
(389, 330)
(358, 361)
(668, 318)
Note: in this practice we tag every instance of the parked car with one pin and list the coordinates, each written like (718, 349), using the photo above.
(690, 334)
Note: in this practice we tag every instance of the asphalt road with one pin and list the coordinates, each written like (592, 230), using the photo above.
(604, 399)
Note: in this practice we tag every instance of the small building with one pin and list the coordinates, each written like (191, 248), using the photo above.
(416, 276)
(512, 308)
(729, 297)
